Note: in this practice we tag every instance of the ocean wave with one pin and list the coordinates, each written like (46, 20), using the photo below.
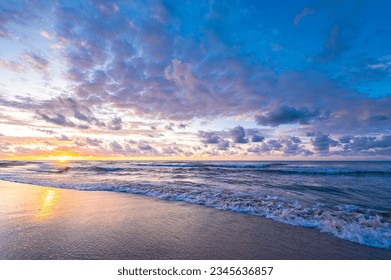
(5, 164)
(328, 172)
(278, 168)
(349, 222)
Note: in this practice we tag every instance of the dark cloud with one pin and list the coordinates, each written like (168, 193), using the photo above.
(289, 115)
(292, 147)
(289, 146)
(378, 118)
(255, 135)
(322, 143)
(79, 111)
(116, 147)
(238, 135)
(182, 125)
(259, 149)
(57, 119)
(368, 143)
(274, 144)
(175, 150)
(170, 126)
(344, 139)
(223, 145)
(257, 138)
(208, 137)
(115, 124)
(145, 147)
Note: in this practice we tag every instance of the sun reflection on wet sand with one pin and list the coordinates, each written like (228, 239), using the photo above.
(47, 203)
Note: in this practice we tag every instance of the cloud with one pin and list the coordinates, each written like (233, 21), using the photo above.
(288, 146)
(93, 142)
(292, 147)
(289, 115)
(378, 118)
(256, 138)
(254, 135)
(274, 144)
(334, 44)
(238, 135)
(182, 125)
(57, 119)
(259, 149)
(115, 124)
(12, 65)
(22, 13)
(116, 147)
(305, 12)
(343, 139)
(145, 147)
(367, 144)
(208, 137)
(28, 60)
(35, 61)
(62, 137)
(223, 145)
(322, 143)
(46, 35)
(170, 126)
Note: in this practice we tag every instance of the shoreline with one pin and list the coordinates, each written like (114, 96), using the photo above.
(54, 223)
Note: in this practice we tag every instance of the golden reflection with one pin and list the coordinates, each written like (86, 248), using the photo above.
(47, 203)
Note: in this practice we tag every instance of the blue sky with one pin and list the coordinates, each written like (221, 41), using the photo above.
(196, 79)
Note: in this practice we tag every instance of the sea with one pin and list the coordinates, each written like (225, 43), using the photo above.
(349, 200)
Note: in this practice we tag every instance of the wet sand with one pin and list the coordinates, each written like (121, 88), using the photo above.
(48, 223)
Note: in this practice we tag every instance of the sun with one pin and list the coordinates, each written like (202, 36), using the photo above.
(62, 159)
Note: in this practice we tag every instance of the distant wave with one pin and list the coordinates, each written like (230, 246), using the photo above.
(267, 167)
(260, 168)
(329, 172)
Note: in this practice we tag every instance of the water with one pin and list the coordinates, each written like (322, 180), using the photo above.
(350, 200)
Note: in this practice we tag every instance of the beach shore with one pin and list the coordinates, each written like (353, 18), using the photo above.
(50, 223)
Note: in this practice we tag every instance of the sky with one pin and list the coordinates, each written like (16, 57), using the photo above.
(236, 80)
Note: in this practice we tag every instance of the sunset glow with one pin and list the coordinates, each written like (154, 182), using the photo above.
(63, 159)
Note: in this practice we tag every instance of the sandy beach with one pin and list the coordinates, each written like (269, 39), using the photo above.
(49, 223)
